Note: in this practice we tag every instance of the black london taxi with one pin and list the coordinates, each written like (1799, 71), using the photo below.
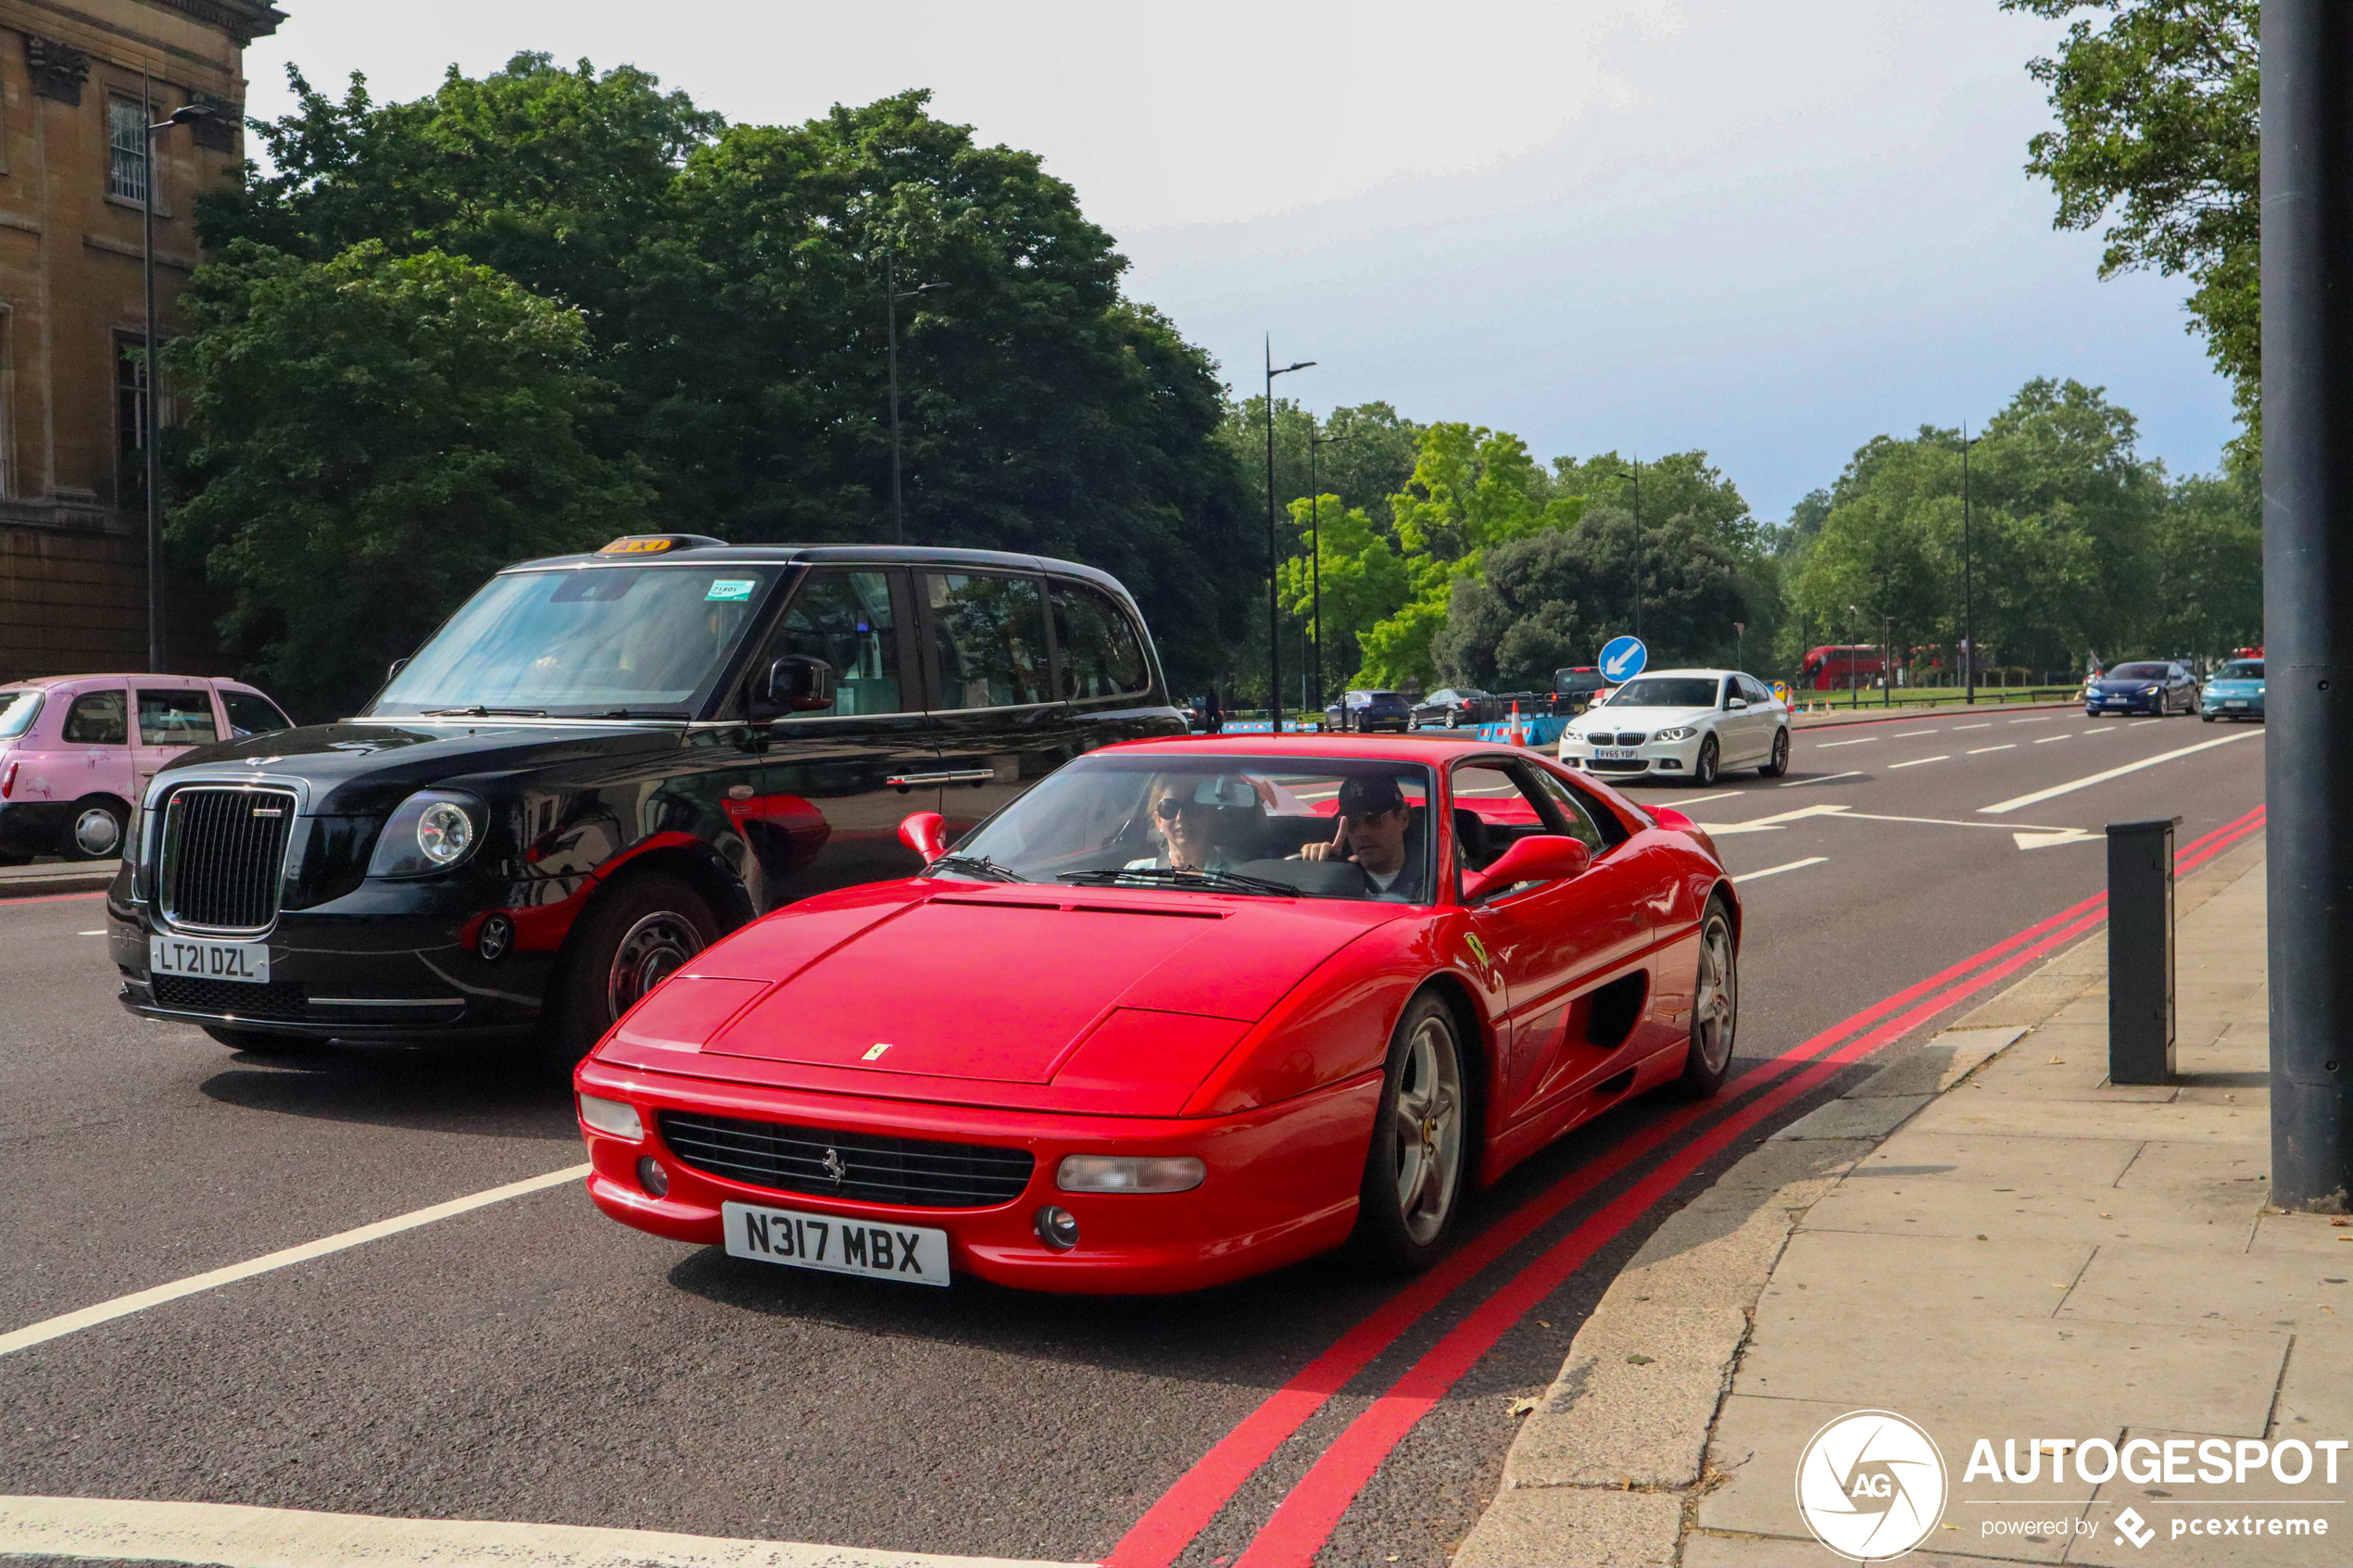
(600, 765)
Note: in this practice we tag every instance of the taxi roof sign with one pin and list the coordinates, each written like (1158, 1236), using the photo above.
(657, 544)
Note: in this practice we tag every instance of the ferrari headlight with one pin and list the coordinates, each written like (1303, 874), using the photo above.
(1680, 732)
(433, 830)
(1120, 1173)
(613, 1116)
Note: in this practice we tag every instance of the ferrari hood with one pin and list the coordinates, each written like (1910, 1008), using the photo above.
(1004, 988)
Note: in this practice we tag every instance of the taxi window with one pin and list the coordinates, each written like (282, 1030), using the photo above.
(988, 635)
(98, 719)
(18, 710)
(845, 619)
(176, 718)
(1099, 654)
(250, 713)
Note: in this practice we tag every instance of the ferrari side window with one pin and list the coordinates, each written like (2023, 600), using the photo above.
(1582, 820)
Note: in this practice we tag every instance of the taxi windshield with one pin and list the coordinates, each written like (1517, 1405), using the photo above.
(1269, 826)
(631, 641)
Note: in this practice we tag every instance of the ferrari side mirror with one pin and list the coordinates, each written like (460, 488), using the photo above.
(1543, 858)
(926, 833)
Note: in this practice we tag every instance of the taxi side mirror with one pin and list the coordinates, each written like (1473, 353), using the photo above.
(795, 683)
(926, 833)
(1541, 858)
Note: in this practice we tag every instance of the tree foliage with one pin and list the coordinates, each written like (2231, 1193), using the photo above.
(2157, 138)
(732, 284)
(372, 435)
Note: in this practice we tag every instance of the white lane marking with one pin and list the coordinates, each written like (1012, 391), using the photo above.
(1776, 870)
(140, 1300)
(2086, 782)
(100, 933)
(1768, 824)
(2044, 719)
(2006, 745)
(2046, 740)
(1704, 799)
(2101, 731)
(1987, 725)
(1918, 760)
(239, 1537)
(1864, 740)
(1914, 734)
(2138, 722)
(1826, 778)
(1945, 822)
(2047, 838)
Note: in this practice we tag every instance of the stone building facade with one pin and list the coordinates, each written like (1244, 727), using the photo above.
(79, 81)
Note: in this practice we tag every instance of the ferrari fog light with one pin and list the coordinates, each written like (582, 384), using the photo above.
(1057, 1228)
(612, 1116)
(1120, 1173)
(651, 1176)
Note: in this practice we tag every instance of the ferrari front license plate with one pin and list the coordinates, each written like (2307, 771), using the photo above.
(1617, 753)
(210, 961)
(911, 1254)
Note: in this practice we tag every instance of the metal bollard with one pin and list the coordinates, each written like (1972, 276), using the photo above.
(2140, 951)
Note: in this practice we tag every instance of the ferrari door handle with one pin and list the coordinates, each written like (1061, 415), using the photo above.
(968, 776)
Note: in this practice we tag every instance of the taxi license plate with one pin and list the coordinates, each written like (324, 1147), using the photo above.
(247, 961)
(912, 1254)
(1617, 753)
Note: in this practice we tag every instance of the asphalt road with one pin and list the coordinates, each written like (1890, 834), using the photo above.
(530, 1360)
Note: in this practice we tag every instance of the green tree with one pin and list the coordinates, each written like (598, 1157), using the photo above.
(371, 436)
(1367, 454)
(2208, 557)
(1365, 582)
(2157, 138)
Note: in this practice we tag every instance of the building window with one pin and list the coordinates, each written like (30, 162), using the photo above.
(131, 421)
(127, 160)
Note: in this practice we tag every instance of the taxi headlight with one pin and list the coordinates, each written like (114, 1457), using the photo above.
(612, 1116)
(433, 830)
(1680, 732)
(1121, 1173)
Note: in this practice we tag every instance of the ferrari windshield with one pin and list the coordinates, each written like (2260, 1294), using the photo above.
(624, 640)
(1273, 826)
(1667, 690)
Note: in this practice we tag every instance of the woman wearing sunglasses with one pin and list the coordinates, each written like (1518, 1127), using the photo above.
(1185, 814)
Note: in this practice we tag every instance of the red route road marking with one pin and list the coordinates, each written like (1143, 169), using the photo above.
(1187, 1506)
(8, 903)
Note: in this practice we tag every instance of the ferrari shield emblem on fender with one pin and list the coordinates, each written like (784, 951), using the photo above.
(1478, 948)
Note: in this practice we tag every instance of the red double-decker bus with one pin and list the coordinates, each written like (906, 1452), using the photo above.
(1837, 667)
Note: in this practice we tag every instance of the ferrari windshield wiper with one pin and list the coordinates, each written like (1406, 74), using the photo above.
(980, 866)
(1181, 876)
(484, 713)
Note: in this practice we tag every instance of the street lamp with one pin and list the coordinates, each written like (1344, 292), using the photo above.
(1887, 660)
(1274, 603)
(1969, 589)
(184, 115)
(1315, 551)
(890, 330)
(1636, 476)
(1854, 682)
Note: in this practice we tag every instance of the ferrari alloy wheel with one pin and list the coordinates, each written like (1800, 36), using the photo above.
(1716, 998)
(1414, 1175)
(1703, 770)
(643, 929)
(1779, 763)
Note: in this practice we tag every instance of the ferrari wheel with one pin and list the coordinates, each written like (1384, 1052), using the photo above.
(631, 940)
(1780, 764)
(1413, 1188)
(1703, 770)
(1716, 997)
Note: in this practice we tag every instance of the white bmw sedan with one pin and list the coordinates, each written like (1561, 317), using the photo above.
(1690, 724)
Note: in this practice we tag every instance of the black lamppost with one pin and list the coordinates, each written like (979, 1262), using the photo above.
(1636, 476)
(185, 114)
(1315, 549)
(1969, 587)
(1887, 660)
(1274, 601)
(890, 330)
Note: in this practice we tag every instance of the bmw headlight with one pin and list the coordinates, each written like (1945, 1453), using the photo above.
(1680, 732)
(434, 830)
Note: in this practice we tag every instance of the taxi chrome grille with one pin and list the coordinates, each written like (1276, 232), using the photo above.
(224, 851)
(869, 1167)
(229, 998)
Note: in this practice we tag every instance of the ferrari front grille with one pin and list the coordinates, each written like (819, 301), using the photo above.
(869, 1167)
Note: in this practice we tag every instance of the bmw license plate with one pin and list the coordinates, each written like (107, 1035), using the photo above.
(912, 1254)
(1617, 753)
(247, 961)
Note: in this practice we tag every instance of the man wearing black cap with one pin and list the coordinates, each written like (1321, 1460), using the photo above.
(1374, 833)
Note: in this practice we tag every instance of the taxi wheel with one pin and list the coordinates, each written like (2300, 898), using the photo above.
(631, 940)
(262, 1042)
(1780, 764)
(1703, 770)
(1417, 1171)
(1716, 1006)
(95, 831)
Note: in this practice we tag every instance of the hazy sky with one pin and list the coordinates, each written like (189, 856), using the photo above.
(1771, 230)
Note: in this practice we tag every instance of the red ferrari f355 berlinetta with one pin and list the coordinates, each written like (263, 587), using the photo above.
(1187, 1010)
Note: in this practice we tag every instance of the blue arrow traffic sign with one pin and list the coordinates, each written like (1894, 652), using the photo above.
(1622, 658)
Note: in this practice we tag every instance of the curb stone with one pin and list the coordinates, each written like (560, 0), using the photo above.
(80, 877)
(1610, 1464)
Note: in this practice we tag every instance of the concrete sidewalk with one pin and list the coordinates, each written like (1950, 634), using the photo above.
(1989, 1239)
(72, 876)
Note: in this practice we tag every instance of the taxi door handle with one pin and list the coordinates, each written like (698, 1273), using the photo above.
(969, 775)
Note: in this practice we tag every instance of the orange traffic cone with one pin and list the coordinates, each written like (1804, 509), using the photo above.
(1518, 735)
